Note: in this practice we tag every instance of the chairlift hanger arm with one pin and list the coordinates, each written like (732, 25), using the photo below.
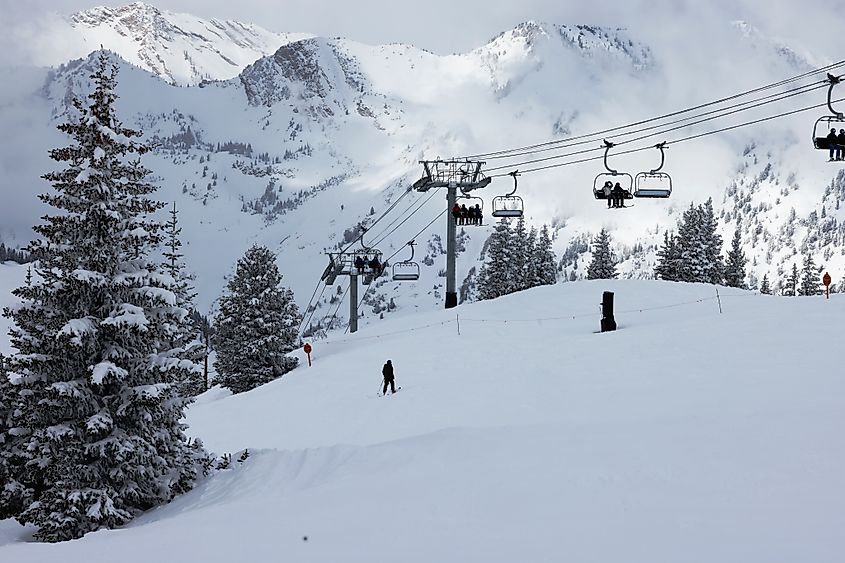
(661, 147)
(607, 146)
(834, 80)
(513, 175)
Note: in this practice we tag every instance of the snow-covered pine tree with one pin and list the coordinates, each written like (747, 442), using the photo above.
(545, 261)
(667, 258)
(692, 249)
(603, 266)
(530, 276)
(96, 414)
(520, 257)
(735, 264)
(809, 277)
(496, 276)
(13, 492)
(188, 344)
(765, 289)
(257, 324)
(791, 287)
(714, 271)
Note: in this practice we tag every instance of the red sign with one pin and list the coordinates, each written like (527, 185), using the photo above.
(826, 279)
(307, 350)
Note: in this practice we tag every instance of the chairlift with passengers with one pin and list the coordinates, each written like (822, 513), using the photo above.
(611, 178)
(828, 122)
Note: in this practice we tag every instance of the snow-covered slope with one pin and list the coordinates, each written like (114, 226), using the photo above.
(323, 134)
(687, 435)
(180, 48)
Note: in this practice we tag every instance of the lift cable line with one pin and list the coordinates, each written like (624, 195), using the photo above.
(386, 233)
(778, 96)
(659, 133)
(661, 117)
(421, 231)
(675, 141)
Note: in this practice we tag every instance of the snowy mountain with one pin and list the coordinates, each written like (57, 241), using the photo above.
(528, 438)
(180, 48)
(323, 134)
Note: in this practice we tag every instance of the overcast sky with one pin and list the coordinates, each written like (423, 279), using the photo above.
(446, 26)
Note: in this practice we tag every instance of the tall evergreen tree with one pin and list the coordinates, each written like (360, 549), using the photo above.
(735, 266)
(714, 270)
(603, 266)
(545, 261)
(256, 326)
(96, 431)
(765, 289)
(520, 252)
(668, 258)
(496, 277)
(187, 345)
(809, 277)
(791, 287)
(692, 248)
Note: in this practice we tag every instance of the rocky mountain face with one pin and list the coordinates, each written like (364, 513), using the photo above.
(320, 136)
(180, 48)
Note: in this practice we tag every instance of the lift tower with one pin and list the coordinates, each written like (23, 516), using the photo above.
(454, 175)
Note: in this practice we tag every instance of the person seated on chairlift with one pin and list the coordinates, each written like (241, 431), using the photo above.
(832, 142)
(476, 213)
(374, 265)
(359, 264)
(607, 189)
(618, 195)
(840, 145)
(456, 213)
(464, 215)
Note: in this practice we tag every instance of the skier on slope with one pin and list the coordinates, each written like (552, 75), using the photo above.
(387, 372)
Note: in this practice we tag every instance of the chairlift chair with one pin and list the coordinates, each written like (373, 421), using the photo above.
(827, 122)
(407, 270)
(334, 269)
(366, 254)
(625, 180)
(474, 200)
(508, 205)
(654, 183)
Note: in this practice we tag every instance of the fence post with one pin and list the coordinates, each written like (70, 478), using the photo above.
(608, 323)
(719, 300)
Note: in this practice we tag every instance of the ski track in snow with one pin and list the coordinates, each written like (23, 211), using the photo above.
(684, 436)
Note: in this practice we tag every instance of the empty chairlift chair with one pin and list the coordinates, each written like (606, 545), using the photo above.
(654, 183)
(508, 205)
(612, 177)
(827, 122)
(407, 270)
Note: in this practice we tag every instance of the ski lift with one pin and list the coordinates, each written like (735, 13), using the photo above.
(473, 201)
(612, 177)
(827, 122)
(334, 269)
(654, 183)
(367, 256)
(407, 270)
(508, 205)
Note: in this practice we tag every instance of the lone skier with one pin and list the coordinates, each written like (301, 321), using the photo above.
(387, 372)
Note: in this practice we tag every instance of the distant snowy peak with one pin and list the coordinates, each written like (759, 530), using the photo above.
(180, 48)
(797, 57)
(312, 70)
(610, 44)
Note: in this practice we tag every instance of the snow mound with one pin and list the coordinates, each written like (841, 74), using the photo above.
(522, 434)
